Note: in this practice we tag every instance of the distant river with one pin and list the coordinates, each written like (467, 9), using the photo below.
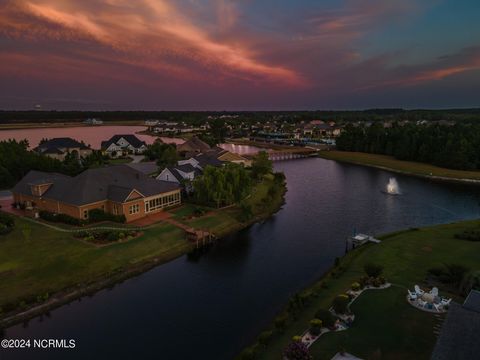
(211, 307)
(92, 135)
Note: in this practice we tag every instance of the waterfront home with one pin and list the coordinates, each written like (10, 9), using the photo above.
(119, 190)
(58, 148)
(193, 146)
(93, 121)
(458, 337)
(121, 145)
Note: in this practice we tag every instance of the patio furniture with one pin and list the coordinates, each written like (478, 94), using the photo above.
(421, 303)
(419, 291)
(434, 291)
(437, 307)
(411, 295)
(446, 302)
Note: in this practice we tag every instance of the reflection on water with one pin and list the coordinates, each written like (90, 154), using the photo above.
(211, 304)
(92, 135)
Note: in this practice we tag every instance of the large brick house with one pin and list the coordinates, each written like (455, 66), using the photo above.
(115, 189)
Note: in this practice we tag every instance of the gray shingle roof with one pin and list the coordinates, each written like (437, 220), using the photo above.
(113, 183)
(132, 140)
(458, 339)
(60, 143)
(149, 167)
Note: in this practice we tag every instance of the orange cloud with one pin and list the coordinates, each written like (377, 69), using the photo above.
(155, 35)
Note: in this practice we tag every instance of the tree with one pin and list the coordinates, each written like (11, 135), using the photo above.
(164, 154)
(373, 270)
(261, 165)
(340, 304)
(218, 130)
(222, 186)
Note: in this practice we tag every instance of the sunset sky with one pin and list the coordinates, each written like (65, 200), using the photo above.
(239, 55)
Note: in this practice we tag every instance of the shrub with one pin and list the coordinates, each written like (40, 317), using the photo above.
(327, 318)
(356, 286)
(340, 304)
(280, 322)
(470, 235)
(315, 326)
(373, 270)
(296, 338)
(7, 220)
(265, 337)
(112, 236)
(61, 218)
(97, 215)
(297, 351)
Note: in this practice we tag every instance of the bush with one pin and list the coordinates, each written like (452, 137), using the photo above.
(60, 218)
(356, 286)
(97, 215)
(470, 235)
(297, 351)
(280, 322)
(265, 337)
(315, 326)
(327, 318)
(340, 304)
(296, 338)
(7, 223)
(373, 270)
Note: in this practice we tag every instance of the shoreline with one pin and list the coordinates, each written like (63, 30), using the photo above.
(438, 239)
(437, 178)
(106, 281)
(69, 124)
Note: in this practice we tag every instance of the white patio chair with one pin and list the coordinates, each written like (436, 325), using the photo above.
(446, 302)
(437, 307)
(411, 295)
(434, 291)
(419, 291)
(422, 303)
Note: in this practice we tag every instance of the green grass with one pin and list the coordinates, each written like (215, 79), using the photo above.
(224, 221)
(385, 322)
(50, 261)
(409, 167)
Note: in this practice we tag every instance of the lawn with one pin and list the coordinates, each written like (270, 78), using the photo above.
(223, 221)
(48, 261)
(385, 322)
(393, 164)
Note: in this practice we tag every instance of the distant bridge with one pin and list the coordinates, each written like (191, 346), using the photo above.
(291, 154)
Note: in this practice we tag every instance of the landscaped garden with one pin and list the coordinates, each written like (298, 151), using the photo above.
(385, 325)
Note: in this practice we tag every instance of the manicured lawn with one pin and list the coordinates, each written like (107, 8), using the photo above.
(386, 326)
(385, 321)
(389, 162)
(49, 260)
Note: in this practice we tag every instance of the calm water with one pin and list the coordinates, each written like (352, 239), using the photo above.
(242, 149)
(92, 135)
(211, 307)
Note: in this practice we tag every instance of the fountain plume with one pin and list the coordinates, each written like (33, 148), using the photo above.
(392, 187)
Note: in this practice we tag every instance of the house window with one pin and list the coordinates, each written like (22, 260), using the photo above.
(85, 214)
(134, 209)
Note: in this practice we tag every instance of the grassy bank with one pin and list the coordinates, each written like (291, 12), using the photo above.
(39, 264)
(34, 267)
(386, 326)
(405, 167)
(225, 221)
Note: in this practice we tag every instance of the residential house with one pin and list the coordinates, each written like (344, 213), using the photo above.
(458, 337)
(58, 148)
(192, 147)
(149, 168)
(93, 121)
(119, 190)
(121, 145)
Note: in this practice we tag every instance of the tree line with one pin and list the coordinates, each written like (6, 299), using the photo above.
(454, 147)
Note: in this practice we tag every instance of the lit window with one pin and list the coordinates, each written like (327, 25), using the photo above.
(134, 209)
